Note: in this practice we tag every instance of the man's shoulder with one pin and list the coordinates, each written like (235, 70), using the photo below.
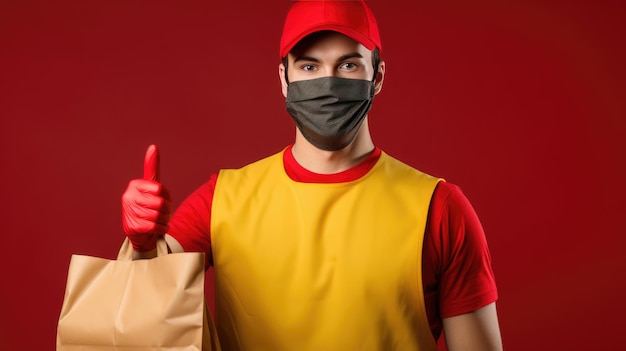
(401, 167)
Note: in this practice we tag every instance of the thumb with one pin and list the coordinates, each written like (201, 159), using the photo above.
(151, 164)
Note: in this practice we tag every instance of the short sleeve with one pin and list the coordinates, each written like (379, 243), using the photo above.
(456, 255)
(190, 225)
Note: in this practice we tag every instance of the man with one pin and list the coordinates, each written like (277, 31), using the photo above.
(330, 244)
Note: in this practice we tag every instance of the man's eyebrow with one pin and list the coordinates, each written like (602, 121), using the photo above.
(349, 56)
(306, 58)
(341, 58)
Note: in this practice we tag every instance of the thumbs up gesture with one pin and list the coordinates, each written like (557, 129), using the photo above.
(146, 205)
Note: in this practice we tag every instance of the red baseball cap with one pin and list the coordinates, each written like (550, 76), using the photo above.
(352, 18)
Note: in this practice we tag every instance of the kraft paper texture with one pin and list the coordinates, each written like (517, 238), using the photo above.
(124, 304)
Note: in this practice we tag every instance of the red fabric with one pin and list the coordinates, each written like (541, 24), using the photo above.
(301, 174)
(351, 18)
(457, 274)
(456, 269)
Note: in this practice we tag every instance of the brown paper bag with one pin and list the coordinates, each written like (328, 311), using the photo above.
(123, 305)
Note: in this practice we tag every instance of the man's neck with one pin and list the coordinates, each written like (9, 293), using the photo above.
(329, 162)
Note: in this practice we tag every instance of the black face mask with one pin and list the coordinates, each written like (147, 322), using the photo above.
(329, 110)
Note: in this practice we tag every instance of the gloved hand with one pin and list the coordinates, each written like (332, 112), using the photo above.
(146, 205)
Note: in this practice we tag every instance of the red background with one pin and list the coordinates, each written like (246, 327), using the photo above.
(521, 103)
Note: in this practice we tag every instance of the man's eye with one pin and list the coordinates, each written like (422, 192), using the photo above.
(308, 67)
(348, 66)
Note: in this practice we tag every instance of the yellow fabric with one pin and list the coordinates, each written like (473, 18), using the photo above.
(302, 266)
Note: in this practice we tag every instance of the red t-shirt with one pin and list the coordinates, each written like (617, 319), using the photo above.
(457, 274)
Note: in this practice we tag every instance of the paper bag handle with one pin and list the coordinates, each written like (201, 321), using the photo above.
(126, 251)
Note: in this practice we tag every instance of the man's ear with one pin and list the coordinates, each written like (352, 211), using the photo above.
(283, 81)
(380, 77)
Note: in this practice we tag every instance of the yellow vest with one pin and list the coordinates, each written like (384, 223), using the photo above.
(301, 266)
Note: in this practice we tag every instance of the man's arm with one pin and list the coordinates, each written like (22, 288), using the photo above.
(478, 330)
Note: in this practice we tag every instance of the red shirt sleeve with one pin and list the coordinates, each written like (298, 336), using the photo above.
(191, 223)
(457, 273)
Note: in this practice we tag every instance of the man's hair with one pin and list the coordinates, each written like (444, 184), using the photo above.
(375, 63)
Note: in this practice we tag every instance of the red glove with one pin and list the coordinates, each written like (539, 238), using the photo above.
(146, 205)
